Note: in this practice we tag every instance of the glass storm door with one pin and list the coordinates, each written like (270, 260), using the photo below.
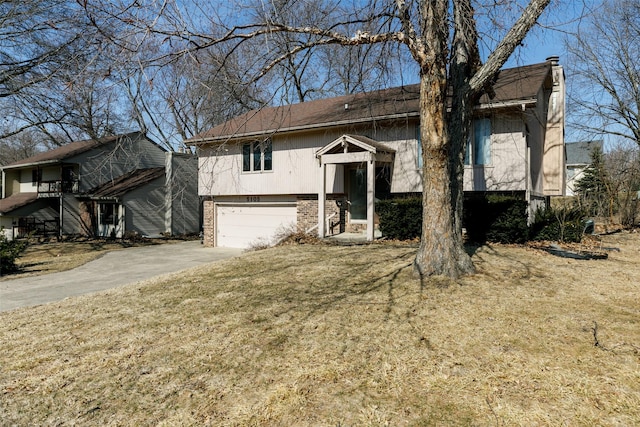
(358, 194)
(109, 220)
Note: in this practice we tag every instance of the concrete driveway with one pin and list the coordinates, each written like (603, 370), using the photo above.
(113, 269)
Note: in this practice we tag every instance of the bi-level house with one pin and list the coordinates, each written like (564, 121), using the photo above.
(104, 187)
(319, 166)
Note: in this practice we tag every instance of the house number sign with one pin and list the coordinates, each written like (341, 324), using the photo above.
(253, 198)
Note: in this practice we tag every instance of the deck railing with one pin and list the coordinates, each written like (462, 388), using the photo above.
(55, 188)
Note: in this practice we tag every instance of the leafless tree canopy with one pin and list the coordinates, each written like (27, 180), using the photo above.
(606, 73)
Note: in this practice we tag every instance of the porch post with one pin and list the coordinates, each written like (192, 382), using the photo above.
(371, 191)
(322, 193)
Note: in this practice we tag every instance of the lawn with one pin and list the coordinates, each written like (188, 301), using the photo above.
(319, 335)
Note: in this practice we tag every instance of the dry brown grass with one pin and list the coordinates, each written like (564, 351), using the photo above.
(328, 336)
(51, 256)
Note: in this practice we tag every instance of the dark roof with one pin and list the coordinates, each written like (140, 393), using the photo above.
(70, 150)
(16, 201)
(126, 183)
(579, 153)
(521, 83)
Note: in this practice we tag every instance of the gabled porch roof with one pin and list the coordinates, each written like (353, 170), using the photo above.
(354, 149)
(125, 183)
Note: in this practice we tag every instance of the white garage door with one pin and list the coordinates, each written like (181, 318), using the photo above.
(243, 225)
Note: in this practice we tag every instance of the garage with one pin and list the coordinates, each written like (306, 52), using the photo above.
(241, 225)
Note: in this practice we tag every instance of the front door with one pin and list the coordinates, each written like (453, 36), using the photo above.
(110, 220)
(358, 194)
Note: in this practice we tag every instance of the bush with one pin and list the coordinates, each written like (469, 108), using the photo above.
(400, 218)
(498, 219)
(564, 224)
(10, 250)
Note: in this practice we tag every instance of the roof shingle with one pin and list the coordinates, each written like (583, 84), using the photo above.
(521, 83)
(70, 150)
(125, 183)
(16, 201)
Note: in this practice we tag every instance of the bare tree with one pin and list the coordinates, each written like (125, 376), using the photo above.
(441, 36)
(54, 74)
(623, 167)
(188, 96)
(32, 35)
(18, 147)
(605, 98)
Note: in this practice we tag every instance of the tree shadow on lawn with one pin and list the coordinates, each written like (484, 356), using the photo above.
(511, 265)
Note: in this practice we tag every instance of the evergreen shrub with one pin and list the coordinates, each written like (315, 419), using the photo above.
(563, 224)
(400, 218)
(10, 251)
(496, 218)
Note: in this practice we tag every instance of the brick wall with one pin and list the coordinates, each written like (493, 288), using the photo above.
(307, 207)
(207, 226)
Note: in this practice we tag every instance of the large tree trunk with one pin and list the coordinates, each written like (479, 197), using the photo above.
(441, 250)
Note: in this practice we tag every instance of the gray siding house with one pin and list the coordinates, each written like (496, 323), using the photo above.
(107, 187)
(578, 156)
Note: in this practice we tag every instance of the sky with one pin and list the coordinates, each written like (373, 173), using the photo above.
(561, 19)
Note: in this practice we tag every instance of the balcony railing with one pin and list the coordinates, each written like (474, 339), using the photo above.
(56, 188)
(31, 226)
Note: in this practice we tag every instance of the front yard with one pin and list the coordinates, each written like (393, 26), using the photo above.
(338, 336)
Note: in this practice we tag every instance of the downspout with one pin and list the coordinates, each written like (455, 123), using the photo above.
(60, 226)
(527, 156)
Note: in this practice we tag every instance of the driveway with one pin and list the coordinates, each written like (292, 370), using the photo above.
(113, 269)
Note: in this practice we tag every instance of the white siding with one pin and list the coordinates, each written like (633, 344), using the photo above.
(406, 176)
(26, 183)
(295, 167)
(507, 170)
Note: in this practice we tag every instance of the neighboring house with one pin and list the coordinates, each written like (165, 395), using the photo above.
(578, 158)
(106, 187)
(274, 169)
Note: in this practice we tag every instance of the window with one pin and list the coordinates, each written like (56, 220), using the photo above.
(36, 176)
(479, 143)
(108, 214)
(257, 156)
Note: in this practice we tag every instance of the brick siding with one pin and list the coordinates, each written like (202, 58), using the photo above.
(307, 212)
(207, 226)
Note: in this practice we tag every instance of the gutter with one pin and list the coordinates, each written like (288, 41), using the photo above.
(522, 103)
(26, 165)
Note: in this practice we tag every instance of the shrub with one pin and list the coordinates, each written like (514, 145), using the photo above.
(564, 224)
(495, 218)
(400, 218)
(10, 250)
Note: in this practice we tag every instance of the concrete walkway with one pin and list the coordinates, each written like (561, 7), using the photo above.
(113, 269)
